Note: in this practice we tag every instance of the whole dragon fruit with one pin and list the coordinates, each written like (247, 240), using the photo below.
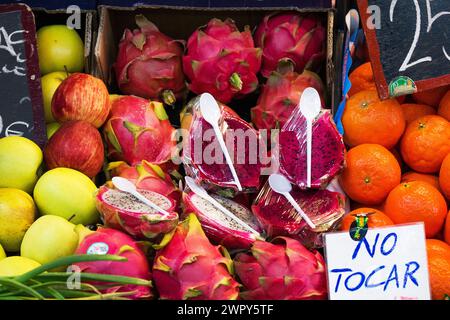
(149, 64)
(219, 228)
(298, 38)
(147, 176)
(109, 241)
(190, 267)
(137, 130)
(281, 95)
(283, 270)
(122, 211)
(279, 218)
(204, 160)
(328, 150)
(222, 61)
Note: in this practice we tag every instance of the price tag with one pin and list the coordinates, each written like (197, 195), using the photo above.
(390, 263)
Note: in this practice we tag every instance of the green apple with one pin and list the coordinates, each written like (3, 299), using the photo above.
(60, 49)
(50, 82)
(16, 266)
(2, 253)
(17, 213)
(52, 128)
(49, 238)
(82, 232)
(67, 193)
(20, 163)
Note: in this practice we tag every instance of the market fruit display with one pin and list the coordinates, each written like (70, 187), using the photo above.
(222, 61)
(438, 253)
(77, 145)
(49, 83)
(20, 163)
(293, 37)
(17, 213)
(49, 238)
(66, 193)
(190, 267)
(60, 49)
(263, 272)
(81, 97)
(149, 63)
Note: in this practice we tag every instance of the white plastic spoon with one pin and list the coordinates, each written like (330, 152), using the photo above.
(310, 106)
(211, 113)
(281, 185)
(127, 186)
(201, 192)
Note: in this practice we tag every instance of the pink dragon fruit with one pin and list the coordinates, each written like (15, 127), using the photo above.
(190, 267)
(222, 60)
(109, 241)
(137, 130)
(328, 150)
(203, 157)
(281, 95)
(283, 270)
(278, 217)
(149, 64)
(121, 211)
(298, 38)
(219, 228)
(147, 176)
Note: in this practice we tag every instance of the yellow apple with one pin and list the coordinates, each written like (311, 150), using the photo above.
(50, 82)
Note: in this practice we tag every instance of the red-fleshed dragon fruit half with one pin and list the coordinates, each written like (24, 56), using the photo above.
(277, 216)
(147, 176)
(203, 158)
(220, 228)
(328, 150)
(113, 242)
(189, 267)
(298, 38)
(222, 61)
(121, 211)
(149, 64)
(281, 95)
(137, 130)
(283, 270)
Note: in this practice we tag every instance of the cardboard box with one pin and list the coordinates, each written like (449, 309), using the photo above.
(181, 22)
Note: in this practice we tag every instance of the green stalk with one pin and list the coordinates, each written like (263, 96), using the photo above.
(96, 277)
(17, 285)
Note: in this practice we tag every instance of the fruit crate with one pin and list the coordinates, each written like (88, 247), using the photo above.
(179, 22)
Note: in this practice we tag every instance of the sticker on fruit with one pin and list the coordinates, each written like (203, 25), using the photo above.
(238, 151)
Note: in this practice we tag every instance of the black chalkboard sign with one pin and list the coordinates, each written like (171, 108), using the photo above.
(409, 44)
(21, 105)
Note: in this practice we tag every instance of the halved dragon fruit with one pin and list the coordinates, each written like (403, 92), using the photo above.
(328, 150)
(122, 211)
(219, 228)
(277, 216)
(203, 157)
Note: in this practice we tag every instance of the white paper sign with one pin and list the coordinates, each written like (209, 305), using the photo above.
(389, 264)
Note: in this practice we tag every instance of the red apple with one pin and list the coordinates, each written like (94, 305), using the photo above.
(77, 145)
(81, 97)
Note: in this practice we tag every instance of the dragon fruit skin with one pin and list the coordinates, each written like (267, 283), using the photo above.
(222, 61)
(281, 95)
(214, 173)
(117, 243)
(278, 218)
(147, 176)
(190, 267)
(219, 228)
(283, 270)
(149, 64)
(139, 224)
(298, 38)
(328, 150)
(137, 130)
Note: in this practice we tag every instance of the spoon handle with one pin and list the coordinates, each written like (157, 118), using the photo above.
(299, 210)
(308, 151)
(150, 204)
(227, 156)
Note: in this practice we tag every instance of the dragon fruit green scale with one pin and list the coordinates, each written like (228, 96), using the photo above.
(222, 61)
